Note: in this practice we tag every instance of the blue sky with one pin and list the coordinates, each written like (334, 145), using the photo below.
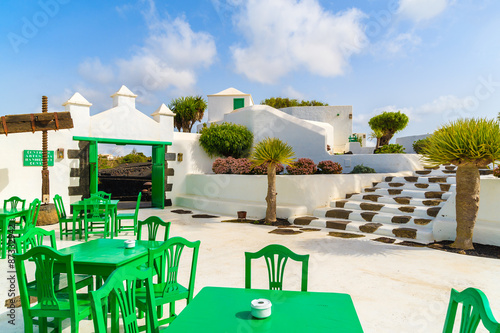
(435, 60)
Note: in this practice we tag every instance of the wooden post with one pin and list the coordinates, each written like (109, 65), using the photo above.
(45, 161)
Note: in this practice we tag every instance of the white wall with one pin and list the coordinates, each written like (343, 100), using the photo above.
(340, 117)
(307, 139)
(312, 191)
(121, 122)
(194, 161)
(219, 105)
(487, 228)
(407, 142)
(379, 162)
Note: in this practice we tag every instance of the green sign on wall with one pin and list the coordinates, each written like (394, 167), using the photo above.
(34, 158)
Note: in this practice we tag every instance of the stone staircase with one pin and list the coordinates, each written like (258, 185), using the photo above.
(403, 207)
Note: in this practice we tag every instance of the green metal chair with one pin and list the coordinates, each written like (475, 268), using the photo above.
(64, 219)
(122, 286)
(128, 216)
(50, 303)
(167, 289)
(475, 308)
(30, 221)
(97, 217)
(276, 257)
(153, 223)
(35, 237)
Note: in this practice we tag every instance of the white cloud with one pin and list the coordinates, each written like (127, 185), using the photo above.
(168, 58)
(398, 45)
(421, 10)
(290, 92)
(93, 70)
(283, 36)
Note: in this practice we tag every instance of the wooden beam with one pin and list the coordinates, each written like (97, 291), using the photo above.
(21, 123)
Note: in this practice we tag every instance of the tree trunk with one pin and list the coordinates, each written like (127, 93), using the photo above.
(384, 140)
(467, 204)
(271, 194)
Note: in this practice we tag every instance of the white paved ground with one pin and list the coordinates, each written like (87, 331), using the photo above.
(394, 288)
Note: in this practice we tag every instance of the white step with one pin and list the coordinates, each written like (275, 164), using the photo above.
(391, 208)
(391, 200)
(417, 186)
(408, 193)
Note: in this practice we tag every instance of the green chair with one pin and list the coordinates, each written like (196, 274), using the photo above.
(122, 286)
(103, 195)
(13, 204)
(167, 289)
(64, 219)
(276, 257)
(30, 221)
(130, 216)
(35, 237)
(50, 303)
(153, 223)
(97, 216)
(475, 308)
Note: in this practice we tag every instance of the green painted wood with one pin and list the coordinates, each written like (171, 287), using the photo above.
(158, 177)
(97, 217)
(119, 226)
(475, 309)
(93, 163)
(122, 285)
(238, 103)
(79, 207)
(153, 224)
(103, 255)
(5, 217)
(38, 236)
(217, 309)
(167, 288)
(50, 303)
(29, 221)
(276, 257)
(122, 141)
(14, 203)
(64, 219)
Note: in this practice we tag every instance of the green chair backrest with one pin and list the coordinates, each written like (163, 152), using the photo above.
(153, 223)
(35, 237)
(122, 284)
(58, 202)
(94, 208)
(103, 195)
(14, 203)
(475, 308)
(137, 205)
(48, 305)
(276, 257)
(32, 215)
(165, 259)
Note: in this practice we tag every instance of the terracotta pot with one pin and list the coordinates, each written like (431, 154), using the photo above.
(242, 215)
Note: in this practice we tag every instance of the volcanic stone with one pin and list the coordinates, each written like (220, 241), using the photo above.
(370, 227)
(405, 233)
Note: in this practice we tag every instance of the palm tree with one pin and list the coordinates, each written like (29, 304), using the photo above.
(469, 144)
(188, 110)
(272, 151)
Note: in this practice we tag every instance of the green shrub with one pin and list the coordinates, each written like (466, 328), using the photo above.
(419, 145)
(226, 140)
(390, 149)
(360, 168)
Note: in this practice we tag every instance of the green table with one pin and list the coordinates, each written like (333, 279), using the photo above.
(78, 207)
(100, 257)
(216, 309)
(5, 217)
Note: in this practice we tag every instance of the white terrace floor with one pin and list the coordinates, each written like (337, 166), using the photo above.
(394, 288)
